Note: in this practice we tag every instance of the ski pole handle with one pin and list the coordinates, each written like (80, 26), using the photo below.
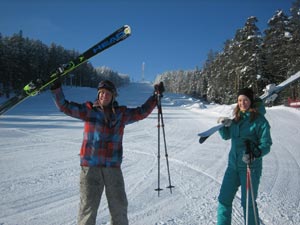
(249, 151)
(159, 88)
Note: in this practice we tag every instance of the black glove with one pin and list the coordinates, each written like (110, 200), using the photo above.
(252, 152)
(159, 89)
(59, 71)
(56, 84)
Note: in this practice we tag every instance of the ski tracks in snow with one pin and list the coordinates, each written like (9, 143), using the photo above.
(195, 188)
(282, 164)
(40, 173)
(29, 167)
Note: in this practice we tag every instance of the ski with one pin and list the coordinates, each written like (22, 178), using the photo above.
(270, 94)
(206, 134)
(34, 87)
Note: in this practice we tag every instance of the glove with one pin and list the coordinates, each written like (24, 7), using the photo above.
(248, 159)
(252, 152)
(56, 84)
(225, 120)
(159, 89)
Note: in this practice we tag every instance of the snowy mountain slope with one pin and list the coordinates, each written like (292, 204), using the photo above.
(39, 164)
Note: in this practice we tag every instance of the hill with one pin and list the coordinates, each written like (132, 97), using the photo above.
(39, 164)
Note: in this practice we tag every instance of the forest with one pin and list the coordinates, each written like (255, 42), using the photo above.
(250, 59)
(23, 60)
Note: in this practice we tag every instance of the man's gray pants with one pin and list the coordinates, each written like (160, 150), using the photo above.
(93, 180)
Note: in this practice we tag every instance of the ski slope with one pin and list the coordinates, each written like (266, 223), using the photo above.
(39, 163)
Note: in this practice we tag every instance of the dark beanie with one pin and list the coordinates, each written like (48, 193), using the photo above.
(247, 92)
(108, 85)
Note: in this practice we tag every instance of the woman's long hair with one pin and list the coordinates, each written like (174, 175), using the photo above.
(253, 113)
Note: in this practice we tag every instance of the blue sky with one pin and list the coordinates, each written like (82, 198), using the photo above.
(167, 35)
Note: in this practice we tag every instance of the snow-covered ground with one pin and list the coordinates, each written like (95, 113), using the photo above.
(39, 164)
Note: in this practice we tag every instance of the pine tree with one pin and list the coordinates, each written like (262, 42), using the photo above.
(294, 46)
(248, 54)
(275, 48)
(294, 34)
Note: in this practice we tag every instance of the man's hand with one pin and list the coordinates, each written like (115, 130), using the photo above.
(159, 89)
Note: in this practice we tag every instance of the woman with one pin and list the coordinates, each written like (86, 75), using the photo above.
(248, 128)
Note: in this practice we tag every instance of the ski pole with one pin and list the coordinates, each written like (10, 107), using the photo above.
(249, 181)
(158, 189)
(247, 196)
(249, 185)
(165, 143)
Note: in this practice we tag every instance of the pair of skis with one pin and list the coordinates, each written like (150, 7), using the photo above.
(270, 94)
(34, 87)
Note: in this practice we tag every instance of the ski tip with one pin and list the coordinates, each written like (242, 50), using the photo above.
(127, 29)
(202, 139)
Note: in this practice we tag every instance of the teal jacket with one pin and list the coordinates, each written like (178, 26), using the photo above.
(257, 132)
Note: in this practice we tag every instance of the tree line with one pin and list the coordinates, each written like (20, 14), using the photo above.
(250, 59)
(23, 59)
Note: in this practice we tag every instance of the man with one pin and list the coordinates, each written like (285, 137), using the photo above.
(101, 151)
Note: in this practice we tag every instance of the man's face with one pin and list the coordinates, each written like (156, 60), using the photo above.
(104, 97)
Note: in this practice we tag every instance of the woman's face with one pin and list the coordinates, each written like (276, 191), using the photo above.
(104, 97)
(244, 102)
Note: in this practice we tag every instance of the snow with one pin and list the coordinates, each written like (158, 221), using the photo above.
(39, 164)
(288, 34)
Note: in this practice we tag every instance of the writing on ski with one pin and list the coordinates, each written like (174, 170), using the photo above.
(34, 87)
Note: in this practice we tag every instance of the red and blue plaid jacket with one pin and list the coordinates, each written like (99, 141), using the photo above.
(102, 138)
